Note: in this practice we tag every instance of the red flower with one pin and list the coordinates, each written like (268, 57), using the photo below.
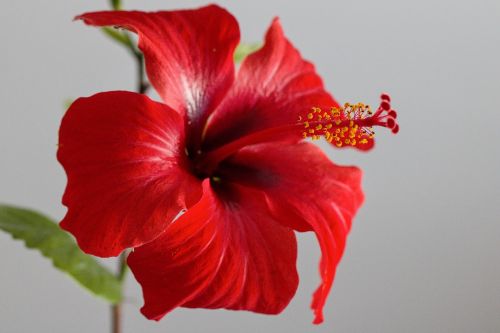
(223, 147)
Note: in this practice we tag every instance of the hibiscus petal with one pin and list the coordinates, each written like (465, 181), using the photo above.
(273, 86)
(304, 191)
(127, 171)
(224, 252)
(188, 54)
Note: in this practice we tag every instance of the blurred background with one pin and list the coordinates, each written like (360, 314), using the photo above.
(424, 253)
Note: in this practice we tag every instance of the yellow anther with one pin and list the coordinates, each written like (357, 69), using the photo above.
(342, 125)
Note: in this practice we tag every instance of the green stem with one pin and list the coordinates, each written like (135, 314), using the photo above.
(142, 88)
(125, 39)
(122, 266)
(142, 84)
(116, 4)
(116, 309)
(116, 315)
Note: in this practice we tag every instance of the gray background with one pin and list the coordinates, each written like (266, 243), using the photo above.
(423, 255)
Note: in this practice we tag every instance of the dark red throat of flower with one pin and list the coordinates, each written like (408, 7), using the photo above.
(350, 125)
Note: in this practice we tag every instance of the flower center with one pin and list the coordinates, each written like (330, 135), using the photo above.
(347, 126)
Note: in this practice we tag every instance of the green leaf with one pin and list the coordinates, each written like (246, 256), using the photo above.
(116, 4)
(245, 49)
(40, 233)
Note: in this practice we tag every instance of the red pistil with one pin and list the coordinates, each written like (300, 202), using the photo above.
(350, 125)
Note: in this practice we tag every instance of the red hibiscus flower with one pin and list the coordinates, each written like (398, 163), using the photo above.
(224, 148)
